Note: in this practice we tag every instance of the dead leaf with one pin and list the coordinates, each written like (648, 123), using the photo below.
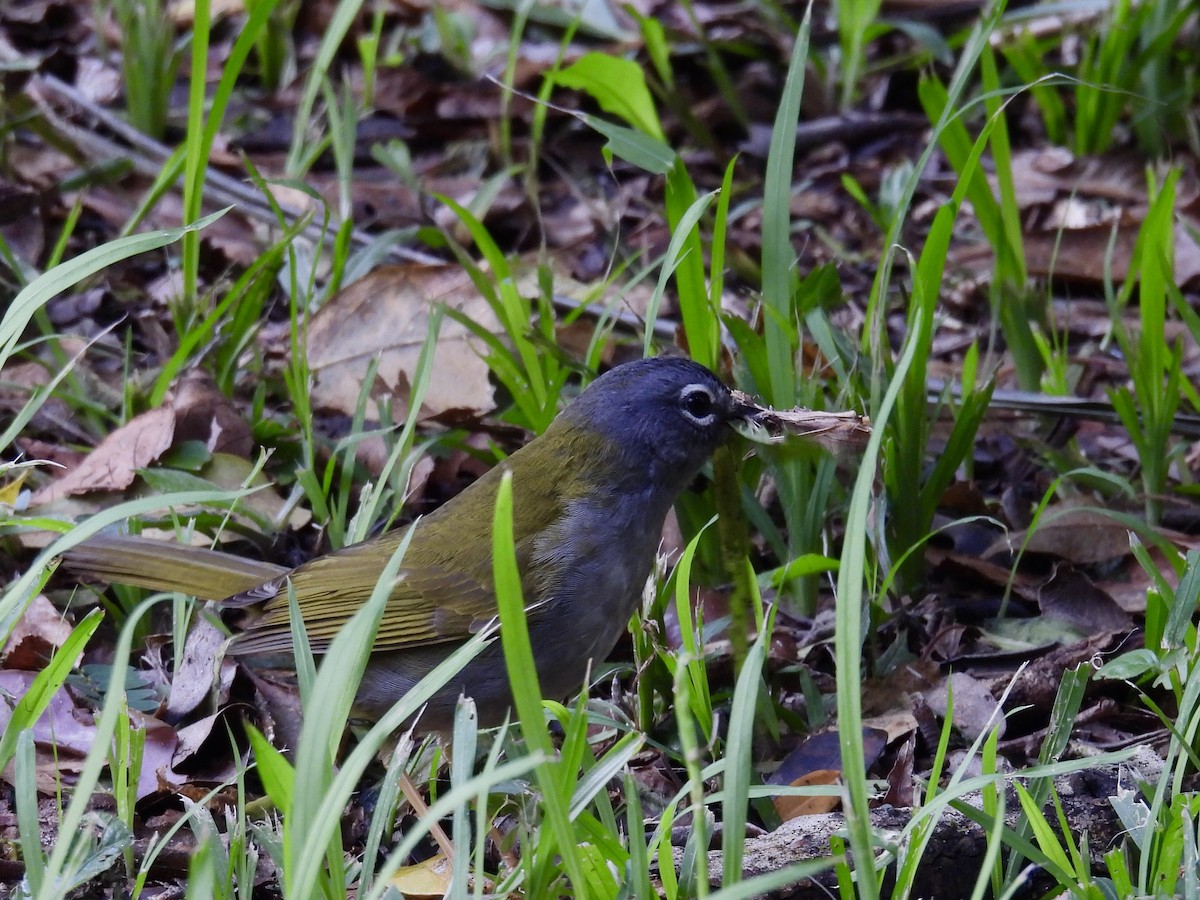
(263, 509)
(197, 670)
(113, 465)
(1081, 536)
(158, 752)
(1092, 209)
(1129, 584)
(427, 880)
(884, 695)
(183, 12)
(204, 414)
(895, 723)
(1070, 596)
(900, 782)
(1043, 175)
(202, 752)
(1080, 254)
(18, 221)
(34, 638)
(789, 807)
(65, 733)
(386, 315)
(816, 761)
(975, 709)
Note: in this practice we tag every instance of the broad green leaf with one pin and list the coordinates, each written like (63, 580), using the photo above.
(618, 85)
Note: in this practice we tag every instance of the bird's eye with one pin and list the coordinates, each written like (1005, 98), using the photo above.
(697, 403)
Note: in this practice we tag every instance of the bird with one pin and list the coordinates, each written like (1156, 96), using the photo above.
(590, 497)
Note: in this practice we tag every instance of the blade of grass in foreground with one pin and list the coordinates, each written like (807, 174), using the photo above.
(66, 857)
(777, 251)
(850, 632)
(308, 836)
(522, 675)
(738, 755)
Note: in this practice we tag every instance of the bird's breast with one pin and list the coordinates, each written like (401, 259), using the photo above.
(590, 569)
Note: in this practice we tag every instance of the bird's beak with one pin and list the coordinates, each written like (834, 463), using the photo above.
(749, 419)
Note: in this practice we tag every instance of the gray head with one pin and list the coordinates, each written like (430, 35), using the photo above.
(666, 415)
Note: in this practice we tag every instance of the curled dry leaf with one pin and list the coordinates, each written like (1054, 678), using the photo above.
(37, 633)
(18, 210)
(202, 753)
(1088, 209)
(1070, 596)
(204, 414)
(198, 670)
(818, 761)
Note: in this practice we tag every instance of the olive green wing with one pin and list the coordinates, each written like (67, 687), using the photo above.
(444, 591)
(427, 605)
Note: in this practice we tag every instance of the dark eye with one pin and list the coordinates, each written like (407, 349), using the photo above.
(697, 403)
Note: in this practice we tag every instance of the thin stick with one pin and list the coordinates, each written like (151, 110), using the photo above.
(421, 810)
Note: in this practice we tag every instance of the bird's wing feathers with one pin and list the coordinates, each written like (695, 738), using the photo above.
(428, 605)
(443, 594)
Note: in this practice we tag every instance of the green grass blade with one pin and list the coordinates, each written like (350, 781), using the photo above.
(522, 675)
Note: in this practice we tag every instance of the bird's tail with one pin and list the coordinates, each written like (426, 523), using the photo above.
(165, 566)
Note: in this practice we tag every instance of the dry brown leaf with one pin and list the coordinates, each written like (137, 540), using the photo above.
(192, 737)
(883, 695)
(57, 725)
(895, 723)
(789, 807)
(97, 81)
(204, 414)
(19, 222)
(1129, 584)
(113, 465)
(975, 709)
(1094, 208)
(1071, 597)
(156, 773)
(386, 315)
(65, 733)
(375, 195)
(183, 12)
(1081, 536)
(39, 165)
(900, 781)
(197, 672)
(40, 630)
(1046, 174)
(1080, 254)
(18, 382)
(816, 761)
